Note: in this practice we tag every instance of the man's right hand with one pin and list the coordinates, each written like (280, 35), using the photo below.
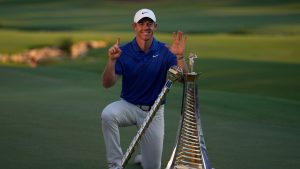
(114, 52)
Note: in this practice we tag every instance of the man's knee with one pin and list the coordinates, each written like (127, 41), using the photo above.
(107, 114)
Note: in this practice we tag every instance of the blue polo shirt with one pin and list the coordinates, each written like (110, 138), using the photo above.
(143, 74)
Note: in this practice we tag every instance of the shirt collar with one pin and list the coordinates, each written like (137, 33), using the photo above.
(153, 47)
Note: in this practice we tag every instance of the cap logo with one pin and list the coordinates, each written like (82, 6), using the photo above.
(144, 12)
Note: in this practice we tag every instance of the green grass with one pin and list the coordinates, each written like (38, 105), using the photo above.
(189, 16)
(50, 115)
(50, 119)
(248, 112)
(239, 47)
(13, 41)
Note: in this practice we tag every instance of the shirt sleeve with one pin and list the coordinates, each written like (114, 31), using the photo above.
(118, 67)
(172, 60)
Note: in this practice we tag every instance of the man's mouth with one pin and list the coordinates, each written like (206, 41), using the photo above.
(146, 33)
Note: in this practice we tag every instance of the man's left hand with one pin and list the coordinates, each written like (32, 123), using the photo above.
(178, 44)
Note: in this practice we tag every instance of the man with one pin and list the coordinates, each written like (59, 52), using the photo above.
(143, 64)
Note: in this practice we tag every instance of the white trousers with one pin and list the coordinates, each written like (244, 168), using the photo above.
(121, 114)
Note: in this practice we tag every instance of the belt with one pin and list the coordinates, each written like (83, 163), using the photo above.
(144, 107)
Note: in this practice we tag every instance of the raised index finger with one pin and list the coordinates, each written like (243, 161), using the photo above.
(118, 42)
(179, 35)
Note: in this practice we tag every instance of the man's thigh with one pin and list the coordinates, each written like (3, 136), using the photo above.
(121, 112)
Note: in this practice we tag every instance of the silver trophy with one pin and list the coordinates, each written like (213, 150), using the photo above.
(189, 150)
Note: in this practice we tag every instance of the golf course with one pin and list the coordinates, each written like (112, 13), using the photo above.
(249, 84)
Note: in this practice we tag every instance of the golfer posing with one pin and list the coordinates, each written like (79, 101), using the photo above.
(143, 64)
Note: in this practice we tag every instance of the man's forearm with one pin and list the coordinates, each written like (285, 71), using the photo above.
(109, 77)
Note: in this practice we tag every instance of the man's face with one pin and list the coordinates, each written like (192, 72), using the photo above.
(144, 29)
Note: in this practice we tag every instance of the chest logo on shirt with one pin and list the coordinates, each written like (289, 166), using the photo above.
(154, 56)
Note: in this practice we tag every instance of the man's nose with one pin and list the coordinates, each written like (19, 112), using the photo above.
(146, 26)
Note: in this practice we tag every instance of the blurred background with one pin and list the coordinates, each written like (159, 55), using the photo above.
(52, 54)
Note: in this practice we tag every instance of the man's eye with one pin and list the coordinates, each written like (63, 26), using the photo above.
(149, 23)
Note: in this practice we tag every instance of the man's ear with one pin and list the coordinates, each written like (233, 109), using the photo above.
(155, 25)
(133, 26)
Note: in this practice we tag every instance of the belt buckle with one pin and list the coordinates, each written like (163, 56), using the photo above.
(144, 108)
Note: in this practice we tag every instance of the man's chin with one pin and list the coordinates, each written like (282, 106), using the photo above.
(147, 38)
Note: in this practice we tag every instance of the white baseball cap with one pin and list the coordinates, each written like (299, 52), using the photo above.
(144, 13)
